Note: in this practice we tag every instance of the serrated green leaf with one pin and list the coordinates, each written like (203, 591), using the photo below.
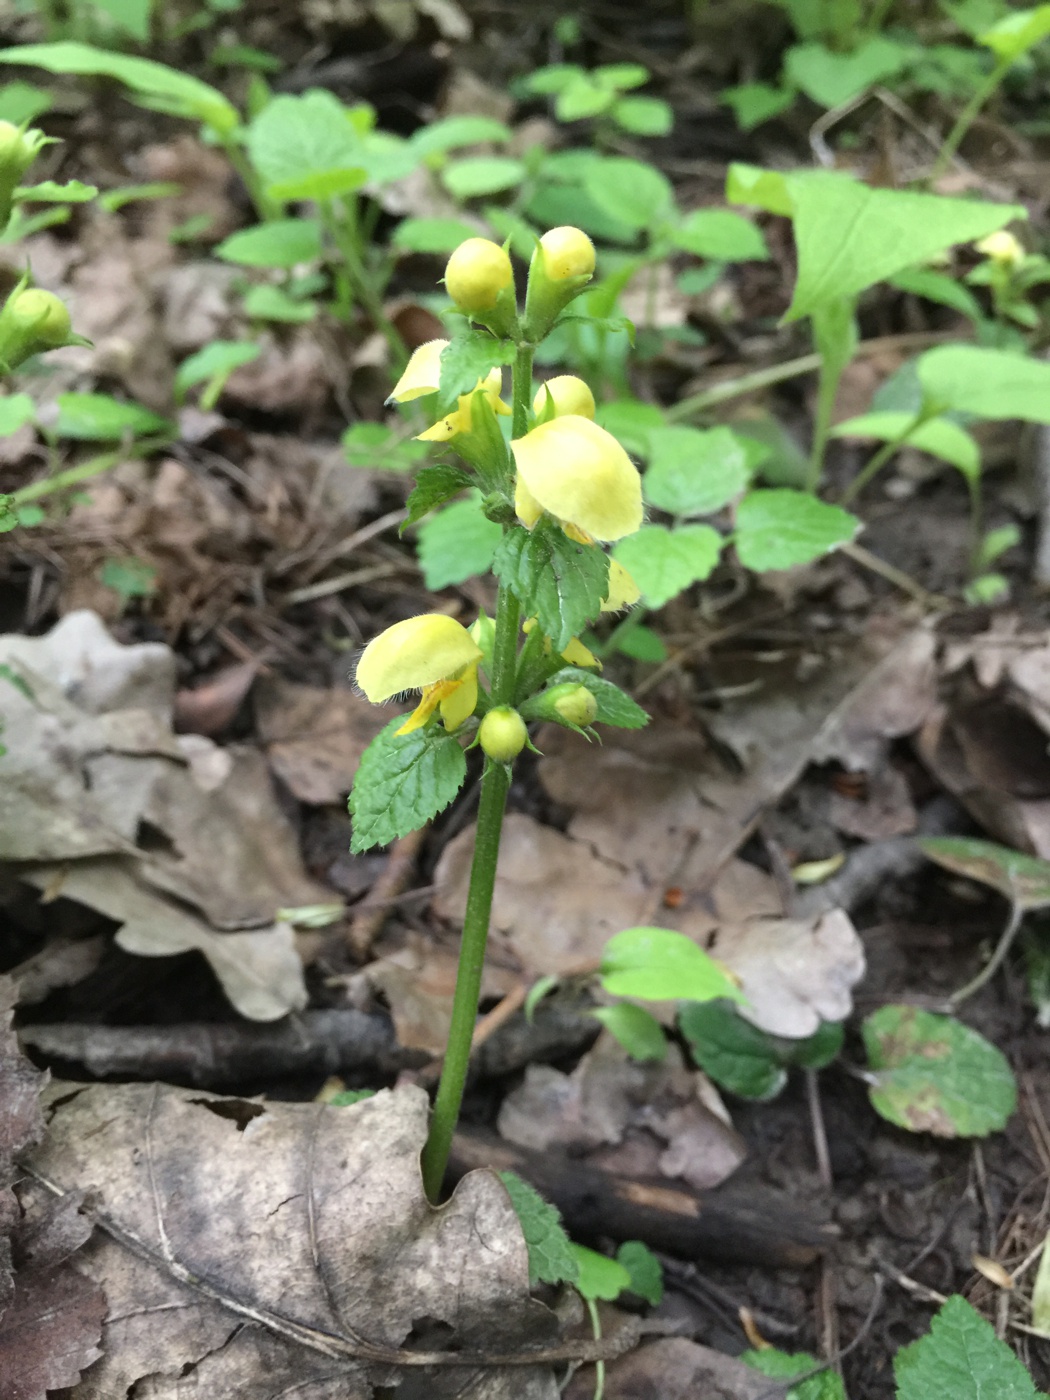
(157, 86)
(662, 562)
(826, 1385)
(581, 99)
(647, 1277)
(780, 529)
(614, 706)
(457, 543)
(987, 383)
(402, 781)
(933, 1074)
(560, 582)
(1024, 880)
(99, 418)
(832, 78)
(721, 235)
(434, 486)
(279, 243)
(431, 235)
(630, 191)
(637, 1030)
(551, 1259)
(694, 471)
(480, 175)
(599, 1278)
(657, 964)
(850, 236)
(940, 437)
(305, 147)
(961, 1359)
(468, 358)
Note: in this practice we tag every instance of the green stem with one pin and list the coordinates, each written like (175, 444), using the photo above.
(342, 226)
(966, 119)
(878, 460)
(744, 384)
(599, 1366)
(976, 524)
(73, 476)
(495, 784)
(265, 207)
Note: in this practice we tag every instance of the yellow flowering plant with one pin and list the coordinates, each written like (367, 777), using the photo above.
(559, 488)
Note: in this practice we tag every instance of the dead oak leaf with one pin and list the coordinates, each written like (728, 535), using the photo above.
(314, 738)
(289, 1247)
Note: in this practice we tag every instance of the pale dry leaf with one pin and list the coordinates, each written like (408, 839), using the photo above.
(886, 809)
(290, 377)
(260, 970)
(674, 1368)
(314, 738)
(320, 1252)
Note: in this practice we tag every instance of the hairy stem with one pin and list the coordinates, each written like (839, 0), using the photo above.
(495, 784)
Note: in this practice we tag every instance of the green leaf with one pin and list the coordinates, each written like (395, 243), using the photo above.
(987, 383)
(630, 190)
(434, 486)
(721, 235)
(305, 147)
(131, 578)
(850, 236)
(378, 447)
(346, 1098)
(938, 287)
(933, 1074)
(637, 1030)
(468, 358)
(431, 235)
(760, 189)
(598, 1278)
(551, 1257)
(746, 1060)
(452, 132)
(647, 1276)
(114, 200)
(694, 471)
(779, 529)
(457, 543)
(402, 781)
(996, 543)
(558, 581)
(657, 964)
(51, 192)
(631, 422)
(614, 706)
(640, 643)
(23, 102)
(99, 418)
(1015, 34)
(940, 437)
(755, 103)
(15, 411)
(662, 562)
(826, 1385)
(280, 243)
(620, 77)
(1024, 880)
(268, 303)
(551, 78)
(961, 1359)
(643, 116)
(128, 16)
(831, 78)
(581, 99)
(215, 363)
(164, 89)
(480, 175)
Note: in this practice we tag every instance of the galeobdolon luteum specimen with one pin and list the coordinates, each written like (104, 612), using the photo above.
(561, 488)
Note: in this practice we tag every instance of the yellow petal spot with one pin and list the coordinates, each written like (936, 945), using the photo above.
(415, 654)
(566, 252)
(476, 274)
(623, 591)
(422, 373)
(581, 475)
(570, 395)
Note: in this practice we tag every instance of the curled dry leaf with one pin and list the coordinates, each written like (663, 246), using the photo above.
(289, 1247)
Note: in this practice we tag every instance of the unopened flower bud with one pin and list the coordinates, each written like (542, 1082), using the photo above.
(567, 252)
(576, 705)
(561, 267)
(1002, 247)
(18, 150)
(479, 277)
(568, 394)
(503, 734)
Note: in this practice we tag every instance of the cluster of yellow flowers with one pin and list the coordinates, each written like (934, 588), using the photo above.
(567, 467)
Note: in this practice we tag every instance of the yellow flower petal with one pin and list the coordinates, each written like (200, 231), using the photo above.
(580, 474)
(526, 506)
(460, 419)
(422, 373)
(576, 654)
(457, 704)
(570, 395)
(623, 591)
(414, 654)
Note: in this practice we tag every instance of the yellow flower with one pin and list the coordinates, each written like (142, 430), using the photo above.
(476, 274)
(566, 252)
(581, 475)
(423, 376)
(1002, 247)
(432, 653)
(570, 395)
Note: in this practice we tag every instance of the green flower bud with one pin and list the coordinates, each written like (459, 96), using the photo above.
(503, 734)
(561, 267)
(40, 317)
(480, 280)
(18, 150)
(569, 703)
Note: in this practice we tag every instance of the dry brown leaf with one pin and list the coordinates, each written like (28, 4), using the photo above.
(314, 738)
(885, 810)
(674, 1368)
(320, 1253)
(212, 707)
(288, 377)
